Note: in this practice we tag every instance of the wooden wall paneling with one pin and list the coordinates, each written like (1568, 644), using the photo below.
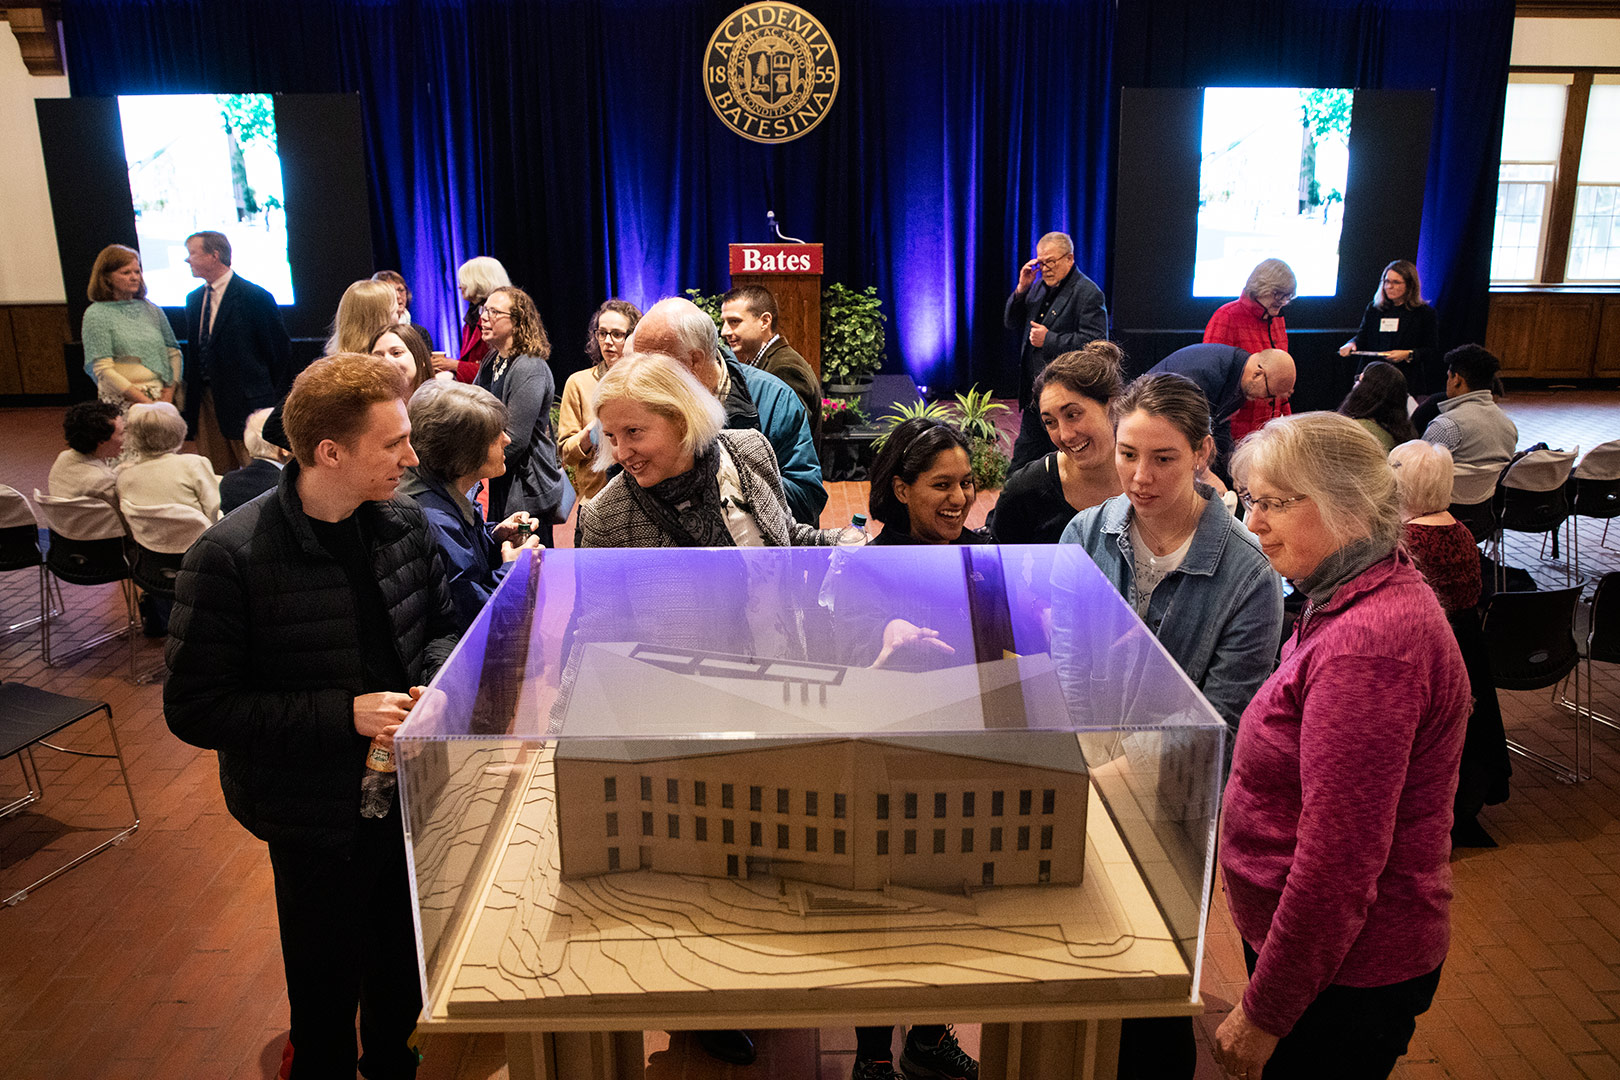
(1607, 361)
(40, 331)
(10, 372)
(1511, 332)
(1566, 337)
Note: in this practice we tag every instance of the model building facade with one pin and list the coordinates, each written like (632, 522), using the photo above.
(932, 812)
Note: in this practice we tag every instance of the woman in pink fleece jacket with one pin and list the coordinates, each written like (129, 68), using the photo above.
(1335, 831)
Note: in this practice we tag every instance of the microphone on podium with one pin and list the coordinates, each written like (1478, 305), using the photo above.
(770, 219)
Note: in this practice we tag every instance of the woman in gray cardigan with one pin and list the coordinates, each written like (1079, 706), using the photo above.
(516, 372)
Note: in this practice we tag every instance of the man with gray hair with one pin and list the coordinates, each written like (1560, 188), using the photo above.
(752, 398)
(1060, 313)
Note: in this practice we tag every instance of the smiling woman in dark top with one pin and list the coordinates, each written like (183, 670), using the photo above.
(1073, 393)
(922, 486)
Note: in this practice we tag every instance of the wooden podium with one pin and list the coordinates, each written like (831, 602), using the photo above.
(793, 274)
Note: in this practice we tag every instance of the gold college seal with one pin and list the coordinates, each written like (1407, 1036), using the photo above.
(771, 72)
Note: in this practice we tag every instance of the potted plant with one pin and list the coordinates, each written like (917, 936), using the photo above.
(972, 414)
(839, 415)
(852, 339)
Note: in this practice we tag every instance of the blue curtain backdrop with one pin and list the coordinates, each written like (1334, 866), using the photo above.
(571, 140)
(1459, 48)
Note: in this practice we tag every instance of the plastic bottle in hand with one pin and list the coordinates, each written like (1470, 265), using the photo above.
(377, 789)
(852, 535)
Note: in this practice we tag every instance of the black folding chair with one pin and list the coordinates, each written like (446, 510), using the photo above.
(20, 550)
(88, 546)
(28, 718)
(162, 535)
(1536, 501)
(1597, 639)
(1595, 486)
(1531, 642)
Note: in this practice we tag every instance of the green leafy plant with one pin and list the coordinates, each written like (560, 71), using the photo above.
(916, 410)
(990, 466)
(974, 411)
(852, 336)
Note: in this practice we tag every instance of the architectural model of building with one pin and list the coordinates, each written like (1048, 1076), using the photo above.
(985, 802)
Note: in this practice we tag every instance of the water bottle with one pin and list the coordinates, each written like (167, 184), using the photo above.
(852, 535)
(377, 789)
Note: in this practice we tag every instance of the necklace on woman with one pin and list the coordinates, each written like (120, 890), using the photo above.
(1181, 535)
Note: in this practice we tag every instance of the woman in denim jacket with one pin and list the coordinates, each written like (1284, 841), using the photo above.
(1194, 575)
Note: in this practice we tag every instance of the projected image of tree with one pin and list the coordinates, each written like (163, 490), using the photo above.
(1271, 184)
(206, 161)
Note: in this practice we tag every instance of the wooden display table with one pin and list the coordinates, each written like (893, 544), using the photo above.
(574, 971)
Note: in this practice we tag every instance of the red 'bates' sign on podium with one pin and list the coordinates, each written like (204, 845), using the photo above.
(776, 258)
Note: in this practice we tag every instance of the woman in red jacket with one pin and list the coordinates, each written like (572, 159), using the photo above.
(1336, 823)
(1252, 322)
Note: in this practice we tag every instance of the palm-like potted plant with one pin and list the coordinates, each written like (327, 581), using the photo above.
(972, 413)
(852, 339)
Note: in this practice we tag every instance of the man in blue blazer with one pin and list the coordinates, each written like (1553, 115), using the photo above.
(1061, 312)
(238, 355)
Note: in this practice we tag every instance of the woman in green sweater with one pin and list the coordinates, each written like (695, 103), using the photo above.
(129, 346)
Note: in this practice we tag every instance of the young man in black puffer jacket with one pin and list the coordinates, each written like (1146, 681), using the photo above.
(304, 626)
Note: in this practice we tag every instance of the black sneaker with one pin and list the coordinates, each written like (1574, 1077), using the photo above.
(874, 1069)
(943, 1060)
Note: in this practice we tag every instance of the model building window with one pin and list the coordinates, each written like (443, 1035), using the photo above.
(613, 858)
(967, 804)
(939, 841)
(911, 842)
(809, 838)
(646, 789)
(1023, 838)
(988, 877)
(726, 796)
(1025, 802)
(700, 829)
(1046, 838)
(700, 793)
(782, 801)
(646, 823)
(838, 806)
(1049, 801)
(911, 804)
(613, 824)
(883, 841)
(838, 841)
(672, 791)
(995, 838)
(610, 789)
(728, 831)
(781, 838)
(939, 804)
(756, 798)
(674, 826)
(1045, 874)
(995, 804)
(810, 806)
(883, 807)
(731, 866)
(756, 834)
(967, 841)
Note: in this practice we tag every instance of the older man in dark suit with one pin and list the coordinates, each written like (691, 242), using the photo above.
(238, 356)
(1061, 312)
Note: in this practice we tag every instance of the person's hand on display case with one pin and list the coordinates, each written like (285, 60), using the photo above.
(1241, 1048)
(902, 637)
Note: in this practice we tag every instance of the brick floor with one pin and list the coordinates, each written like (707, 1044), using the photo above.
(160, 958)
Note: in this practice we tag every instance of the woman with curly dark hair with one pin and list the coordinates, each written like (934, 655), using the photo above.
(606, 340)
(1378, 403)
(516, 372)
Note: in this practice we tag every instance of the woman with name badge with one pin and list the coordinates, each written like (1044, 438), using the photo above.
(1398, 326)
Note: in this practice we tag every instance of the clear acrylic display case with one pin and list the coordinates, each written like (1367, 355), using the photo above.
(654, 787)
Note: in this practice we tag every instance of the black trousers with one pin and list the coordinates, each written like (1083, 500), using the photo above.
(1351, 1032)
(348, 942)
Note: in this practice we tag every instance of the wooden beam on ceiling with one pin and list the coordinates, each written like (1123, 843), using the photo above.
(38, 30)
